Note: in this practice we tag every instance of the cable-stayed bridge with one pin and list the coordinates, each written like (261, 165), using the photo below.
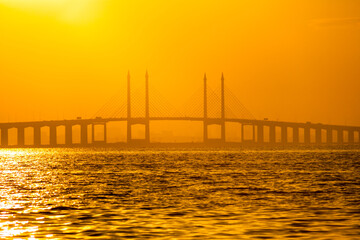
(206, 106)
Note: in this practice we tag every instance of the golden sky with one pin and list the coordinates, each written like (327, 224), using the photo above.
(285, 60)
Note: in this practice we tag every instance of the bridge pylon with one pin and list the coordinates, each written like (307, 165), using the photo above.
(214, 121)
(142, 121)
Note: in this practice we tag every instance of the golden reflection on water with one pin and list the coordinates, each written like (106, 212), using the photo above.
(15, 228)
(11, 199)
(179, 194)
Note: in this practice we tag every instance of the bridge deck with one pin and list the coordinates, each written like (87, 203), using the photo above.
(214, 120)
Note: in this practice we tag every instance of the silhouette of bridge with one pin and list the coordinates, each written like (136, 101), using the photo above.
(110, 112)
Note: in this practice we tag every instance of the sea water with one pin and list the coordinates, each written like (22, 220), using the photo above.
(179, 194)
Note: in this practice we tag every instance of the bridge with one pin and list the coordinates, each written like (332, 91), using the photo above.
(263, 132)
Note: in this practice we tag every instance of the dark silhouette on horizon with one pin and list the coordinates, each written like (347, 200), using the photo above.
(258, 127)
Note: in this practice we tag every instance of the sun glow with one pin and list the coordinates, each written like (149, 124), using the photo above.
(72, 11)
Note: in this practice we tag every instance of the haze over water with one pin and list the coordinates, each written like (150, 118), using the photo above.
(190, 194)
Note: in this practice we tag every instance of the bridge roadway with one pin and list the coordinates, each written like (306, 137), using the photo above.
(257, 129)
(48, 123)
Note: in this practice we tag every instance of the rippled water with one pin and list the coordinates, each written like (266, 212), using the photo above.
(103, 194)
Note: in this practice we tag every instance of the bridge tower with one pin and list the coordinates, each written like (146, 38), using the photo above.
(128, 109)
(143, 121)
(205, 131)
(147, 109)
(214, 121)
(222, 108)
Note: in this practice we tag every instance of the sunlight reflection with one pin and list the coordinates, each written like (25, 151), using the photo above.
(12, 152)
(110, 194)
(16, 228)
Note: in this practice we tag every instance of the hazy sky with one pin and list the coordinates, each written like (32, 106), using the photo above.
(285, 60)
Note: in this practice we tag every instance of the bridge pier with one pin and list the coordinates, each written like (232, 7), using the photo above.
(307, 134)
(296, 135)
(68, 134)
(207, 123)
(105, 132)
(205, 131)
(84, 134)
(284, 135)
(318, 135)
(223, 136)
(329, 135)
(260, 133)
(243, 134)
(340, 136)
(130, 123)
(53, 136)
(272, 137)
(93, 133)
(147, 132)
(21, 136)
(146, 139)
(4, 137)
(351, 136)
(128, 132)
(37, 136)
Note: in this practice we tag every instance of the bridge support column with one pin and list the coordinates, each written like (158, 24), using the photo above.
(242, 133)
(92, 133)
(223, 137)
(340, 136)
(205, 124)
(220, 140)
(84, 134)
(147, 109)
(284, 135)
(329, 135)
(21, 136)
(144, 122)
(351, 136)
(205, 131)
(68, 135)
(272, 137)
(128, 131)
(37, 136)
(53, 136)
(254, 135)
(147, 132)
(260, 133)
(318, 135)
(4, 137)
(105, 132)
(307, 134)
(296, 135)
(84, 139)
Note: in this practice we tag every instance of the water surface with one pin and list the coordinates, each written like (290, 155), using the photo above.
(145, 194)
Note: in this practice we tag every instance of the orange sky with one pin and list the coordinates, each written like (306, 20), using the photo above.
(285, 60)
